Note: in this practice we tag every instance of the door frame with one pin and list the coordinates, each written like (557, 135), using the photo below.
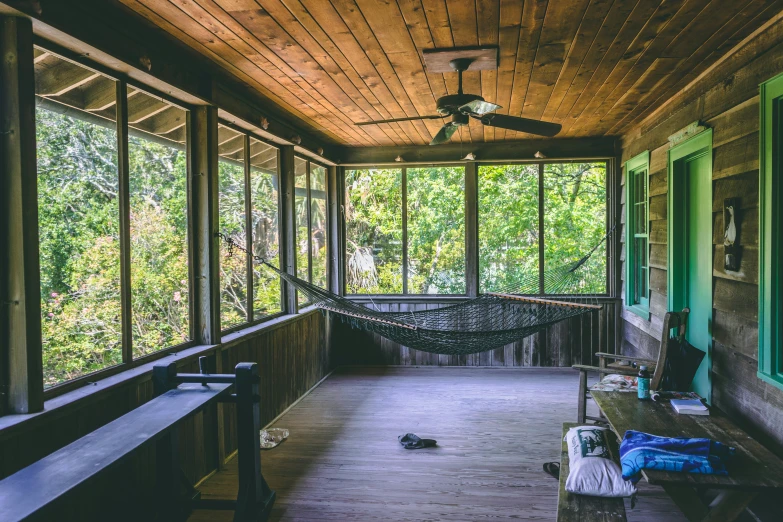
(696, 147)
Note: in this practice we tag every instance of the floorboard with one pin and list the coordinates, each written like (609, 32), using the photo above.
(495, 428)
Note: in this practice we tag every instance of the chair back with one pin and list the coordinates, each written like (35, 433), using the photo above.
(671, 320)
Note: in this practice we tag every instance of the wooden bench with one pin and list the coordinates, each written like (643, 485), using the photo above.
(32, 493)
(583, 508)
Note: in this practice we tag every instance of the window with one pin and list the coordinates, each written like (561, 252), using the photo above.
(264, 222)
(537, 218)
(234, 306)
(436, 230)
(405, 230)
(158, 223)
(637, 273)
(83, 225)
(248, 215)
(508, 227)
(771, 233)
(311, 223)
(373, 231)
(78, 220)
(574, 216)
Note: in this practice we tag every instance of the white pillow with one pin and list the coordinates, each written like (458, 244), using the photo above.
(592, 470)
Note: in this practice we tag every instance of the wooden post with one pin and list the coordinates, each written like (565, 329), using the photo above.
(255, 498)
(203, 224)
(471, 230)
(404, 191)
(541, 210)
(20, 290)
(123, 173)
(287, 222)
(335, 218)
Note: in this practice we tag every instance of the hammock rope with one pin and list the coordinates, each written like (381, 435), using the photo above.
(472, 326)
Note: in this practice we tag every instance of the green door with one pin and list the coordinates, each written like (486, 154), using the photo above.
(690, 234)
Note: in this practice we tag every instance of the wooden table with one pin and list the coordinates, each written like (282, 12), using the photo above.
(752, 470)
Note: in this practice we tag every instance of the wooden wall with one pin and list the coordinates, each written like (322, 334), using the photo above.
(574, 341)
(292, 357)
(725, 99)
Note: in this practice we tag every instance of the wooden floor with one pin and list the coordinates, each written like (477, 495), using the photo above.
(495, 428)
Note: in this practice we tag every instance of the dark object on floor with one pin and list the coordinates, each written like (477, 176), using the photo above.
(411, 441)
(553, 469)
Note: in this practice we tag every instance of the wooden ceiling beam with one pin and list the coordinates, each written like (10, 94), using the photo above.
(162, 122)
(232, 146)
(556, 149)
(61, 78)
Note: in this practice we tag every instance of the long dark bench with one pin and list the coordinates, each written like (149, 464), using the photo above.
(583, 508)
(28, 493)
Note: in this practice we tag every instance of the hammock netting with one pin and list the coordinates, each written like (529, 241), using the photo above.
(472, 326)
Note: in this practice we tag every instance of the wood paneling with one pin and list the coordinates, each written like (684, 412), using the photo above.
(596, 66)
(573, 341)
(726, 99)
(292, 357)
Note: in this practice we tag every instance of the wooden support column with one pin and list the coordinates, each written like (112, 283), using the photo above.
(123, 172)
(334, 226)
(471, 230)
(287, 222)
(203, 224)
(20, 288)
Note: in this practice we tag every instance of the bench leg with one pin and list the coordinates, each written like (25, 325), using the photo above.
(255, 498)
(726, 507)
(582, 405)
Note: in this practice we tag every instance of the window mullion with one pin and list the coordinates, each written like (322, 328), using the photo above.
(404, 187)
(249, 291)
(541, 288)
(309, 202)
(123, 172)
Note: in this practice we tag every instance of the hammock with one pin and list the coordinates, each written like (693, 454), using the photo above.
(472, 326)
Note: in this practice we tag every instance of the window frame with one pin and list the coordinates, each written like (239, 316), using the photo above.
(122, 83)
(633, 168)
(250, 321)
(541, 210)
(308, 172)
(770, 366)
(404, 216)
(469, 203)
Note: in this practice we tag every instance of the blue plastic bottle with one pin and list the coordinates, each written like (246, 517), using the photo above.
(643, 384)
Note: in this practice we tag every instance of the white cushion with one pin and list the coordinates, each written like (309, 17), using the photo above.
(591, 468)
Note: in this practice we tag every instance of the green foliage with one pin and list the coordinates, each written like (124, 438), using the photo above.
(574, 220)
(508, 226)
(80, 246)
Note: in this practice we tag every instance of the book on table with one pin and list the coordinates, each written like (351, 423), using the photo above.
(689, 407)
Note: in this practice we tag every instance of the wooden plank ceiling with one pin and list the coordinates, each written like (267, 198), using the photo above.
(595, 66)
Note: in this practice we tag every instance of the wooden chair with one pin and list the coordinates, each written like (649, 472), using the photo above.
(621, 365)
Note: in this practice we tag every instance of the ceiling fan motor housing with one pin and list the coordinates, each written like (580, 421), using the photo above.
(449, 104)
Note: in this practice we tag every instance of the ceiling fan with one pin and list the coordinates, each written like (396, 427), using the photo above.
(463, 106)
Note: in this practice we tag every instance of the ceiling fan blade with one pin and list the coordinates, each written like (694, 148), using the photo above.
(444, 134)
(479, 107)
(541, 128)
(430, 117)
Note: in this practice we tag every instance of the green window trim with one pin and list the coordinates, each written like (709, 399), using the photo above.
(770, 232)
(637, 223)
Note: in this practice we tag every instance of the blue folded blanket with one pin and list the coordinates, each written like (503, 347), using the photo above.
(644, 451)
